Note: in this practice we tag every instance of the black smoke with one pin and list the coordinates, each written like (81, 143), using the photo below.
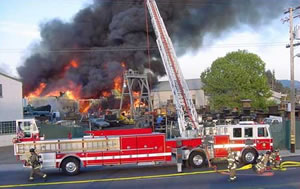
(109, 32)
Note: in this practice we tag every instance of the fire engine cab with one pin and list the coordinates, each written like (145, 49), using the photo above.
(247, 138)
(195, 145)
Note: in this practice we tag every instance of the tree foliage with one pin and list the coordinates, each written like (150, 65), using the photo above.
(274, 84)
(237, 76)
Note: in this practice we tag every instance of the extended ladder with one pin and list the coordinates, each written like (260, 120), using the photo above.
(186, 112)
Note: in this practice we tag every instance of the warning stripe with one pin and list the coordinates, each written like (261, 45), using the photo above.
(231, 145)
(122, 156)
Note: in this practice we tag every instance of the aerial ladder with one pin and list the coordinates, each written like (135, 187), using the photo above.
(186, 112)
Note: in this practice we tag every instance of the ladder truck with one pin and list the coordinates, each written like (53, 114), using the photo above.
(143, 146)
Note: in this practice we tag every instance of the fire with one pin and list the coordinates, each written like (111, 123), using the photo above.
(84, 106)
(38, 91)
(118, 83)
(123, 64)
(137, 101)
(106, 94)
(70, 91)
(72, 64)
(136, 94)
(70, 95)
(86, 109)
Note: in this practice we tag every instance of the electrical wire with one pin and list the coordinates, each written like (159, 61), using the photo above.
(146, 48)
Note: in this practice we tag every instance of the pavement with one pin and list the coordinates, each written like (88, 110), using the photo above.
(287, 153)
(14, 175)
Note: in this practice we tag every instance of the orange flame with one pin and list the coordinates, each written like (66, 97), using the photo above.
(136, 94)
(71, 91)
(74, 64)
(106, 94)
(70, 95)
(38, 91)
(84, 106)
(123, 64)
(86, 109)
(118, 83)
(137, 101)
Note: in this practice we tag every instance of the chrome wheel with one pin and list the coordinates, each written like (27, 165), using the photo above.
(198, 160)
(71, 167)
(249, 157)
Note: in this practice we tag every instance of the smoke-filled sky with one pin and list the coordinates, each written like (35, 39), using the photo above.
(56, 32)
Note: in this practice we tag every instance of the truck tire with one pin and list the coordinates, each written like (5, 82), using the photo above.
(71, 166)
(197, 159)
(249, 156)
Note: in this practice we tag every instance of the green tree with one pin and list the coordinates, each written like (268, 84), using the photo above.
(237, 76)
(275, 84)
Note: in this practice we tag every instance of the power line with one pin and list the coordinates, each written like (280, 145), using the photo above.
(143, 48)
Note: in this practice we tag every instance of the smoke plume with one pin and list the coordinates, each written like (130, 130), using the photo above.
(109, 33)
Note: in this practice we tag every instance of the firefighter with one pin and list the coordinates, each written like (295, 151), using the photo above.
(35, 166)
(233, 161)
(277, 159)
(262, 162)
(272, 159)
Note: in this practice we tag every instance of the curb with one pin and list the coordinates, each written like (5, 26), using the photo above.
(290, 155)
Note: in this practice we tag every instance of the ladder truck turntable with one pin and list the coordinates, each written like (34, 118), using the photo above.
(142, 146)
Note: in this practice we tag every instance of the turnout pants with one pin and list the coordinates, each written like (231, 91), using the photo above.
(232, 174)
(36, 171)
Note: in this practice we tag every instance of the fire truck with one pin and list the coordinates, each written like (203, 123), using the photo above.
(140, 146)
(195, 146)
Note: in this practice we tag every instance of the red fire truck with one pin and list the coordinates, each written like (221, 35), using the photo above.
(140, 146)
(195, 145)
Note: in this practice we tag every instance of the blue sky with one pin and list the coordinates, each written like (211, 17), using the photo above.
(19, 29)
(19, 25)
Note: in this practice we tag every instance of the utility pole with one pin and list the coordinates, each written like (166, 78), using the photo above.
(293, 121)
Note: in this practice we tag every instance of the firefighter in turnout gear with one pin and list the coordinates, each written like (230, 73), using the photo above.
(275, 159)
(233, 161)
(272, 159)
(262, 162)
(35, 166)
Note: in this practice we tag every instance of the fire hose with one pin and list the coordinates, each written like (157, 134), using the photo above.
(283, 165)
(286, 164)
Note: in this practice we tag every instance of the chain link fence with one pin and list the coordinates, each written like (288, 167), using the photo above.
(281, 134)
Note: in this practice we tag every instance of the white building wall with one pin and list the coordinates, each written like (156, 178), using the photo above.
(161, 98)
(11, 105)
(6, 140)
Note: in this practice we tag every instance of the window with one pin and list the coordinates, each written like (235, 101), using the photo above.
(24, 127)
(237, 132)
(8, 127)
(1, 91)
(248, 132)
(262, 132)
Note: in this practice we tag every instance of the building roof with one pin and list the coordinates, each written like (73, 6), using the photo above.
(10, 77)
(193, 84)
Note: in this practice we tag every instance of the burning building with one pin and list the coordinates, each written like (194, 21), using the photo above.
(86, 58)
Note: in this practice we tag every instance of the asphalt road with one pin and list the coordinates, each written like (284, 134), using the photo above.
(13, 175)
